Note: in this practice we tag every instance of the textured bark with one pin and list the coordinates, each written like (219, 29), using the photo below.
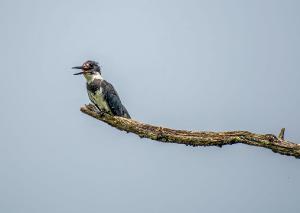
(196, 138)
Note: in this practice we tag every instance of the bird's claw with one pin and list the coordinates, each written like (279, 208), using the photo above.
(100, 112)
(92, 107)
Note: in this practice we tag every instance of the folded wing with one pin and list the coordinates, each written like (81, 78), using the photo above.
(111, 96)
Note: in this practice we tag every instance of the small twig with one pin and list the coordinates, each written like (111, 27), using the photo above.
(281, 134)
(199, 138)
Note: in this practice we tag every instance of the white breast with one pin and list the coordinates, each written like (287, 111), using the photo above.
(97, 99)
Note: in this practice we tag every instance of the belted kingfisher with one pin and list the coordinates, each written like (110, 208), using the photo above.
(101, 92)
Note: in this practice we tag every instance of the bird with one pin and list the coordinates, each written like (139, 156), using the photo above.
(101, 93)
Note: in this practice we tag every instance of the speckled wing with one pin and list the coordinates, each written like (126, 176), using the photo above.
(111, 96)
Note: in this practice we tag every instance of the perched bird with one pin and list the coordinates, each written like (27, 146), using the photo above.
(101, 92)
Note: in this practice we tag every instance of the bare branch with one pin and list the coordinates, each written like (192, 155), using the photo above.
(196, 138)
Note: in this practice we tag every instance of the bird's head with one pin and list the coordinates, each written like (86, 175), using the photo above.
(89, 69)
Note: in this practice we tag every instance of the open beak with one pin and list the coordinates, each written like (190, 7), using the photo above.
(79, 73)
(80, 68)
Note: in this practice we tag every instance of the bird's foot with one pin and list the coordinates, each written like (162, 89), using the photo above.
(101, 112)
(92, 107)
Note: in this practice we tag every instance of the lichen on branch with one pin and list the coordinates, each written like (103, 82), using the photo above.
(196, 138)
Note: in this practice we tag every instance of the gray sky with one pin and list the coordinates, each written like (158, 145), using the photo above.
(200, 65)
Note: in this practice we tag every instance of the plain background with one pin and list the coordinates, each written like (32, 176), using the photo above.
(200, 65)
